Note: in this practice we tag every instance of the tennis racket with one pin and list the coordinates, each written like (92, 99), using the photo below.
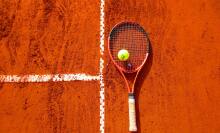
(132, 37)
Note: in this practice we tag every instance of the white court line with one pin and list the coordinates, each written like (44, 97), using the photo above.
(102, 85)
(47, 77)
(102, 97)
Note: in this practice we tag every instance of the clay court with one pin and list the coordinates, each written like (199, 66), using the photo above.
(56, 75)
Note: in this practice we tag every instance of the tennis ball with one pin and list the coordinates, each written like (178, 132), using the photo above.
(123, 55)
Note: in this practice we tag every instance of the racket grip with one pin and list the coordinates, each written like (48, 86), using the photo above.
(132, 113)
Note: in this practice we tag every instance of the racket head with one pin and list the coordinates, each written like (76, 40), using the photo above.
(132, 37)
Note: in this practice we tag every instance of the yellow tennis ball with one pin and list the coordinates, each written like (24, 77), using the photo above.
(123, 55)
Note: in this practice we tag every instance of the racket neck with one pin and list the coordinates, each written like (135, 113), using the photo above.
(130, 83)
(131, 95)
(130, 89)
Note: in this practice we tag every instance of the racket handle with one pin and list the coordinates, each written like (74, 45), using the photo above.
(132, 113)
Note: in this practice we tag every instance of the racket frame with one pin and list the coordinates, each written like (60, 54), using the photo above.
(122, 71)
(131, 96)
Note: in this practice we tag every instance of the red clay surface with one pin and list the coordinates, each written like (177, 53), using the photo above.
(46, 37)
(49, 37)
(177, 91)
